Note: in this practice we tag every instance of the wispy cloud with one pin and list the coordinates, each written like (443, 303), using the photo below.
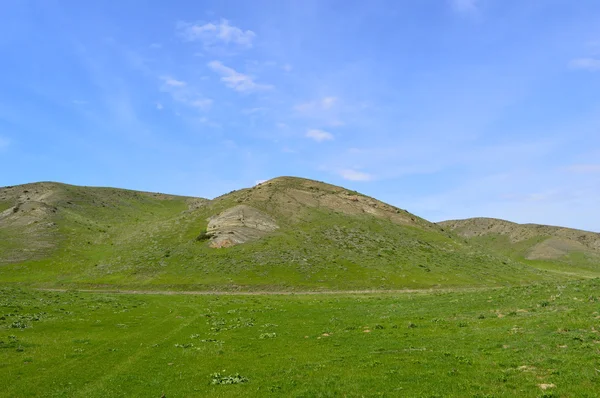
(216, 32)
(4, 143)
(325, 109)
(251, 111)
(169, 81)
(355, 175)
(319, 135)
(465, 7)
(202, 104)
(321, 104)
(590, 64)
(181, 92)
(236, 80)
(159, 106)
(584, 168)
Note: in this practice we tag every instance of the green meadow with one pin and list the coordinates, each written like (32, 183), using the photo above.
(114, 293)
(540, 340)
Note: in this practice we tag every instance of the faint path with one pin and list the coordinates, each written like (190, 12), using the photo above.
(275, 293)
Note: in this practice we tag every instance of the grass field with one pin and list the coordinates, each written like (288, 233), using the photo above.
(483, 320)
(503, 342)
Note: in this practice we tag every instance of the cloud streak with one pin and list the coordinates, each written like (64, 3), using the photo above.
(465, 7)
(181, 92)
(322, 104)
(237, 81)
(319, 135)
(584, 168)
(325, 109)
(589, 64)
(216, 32)
(169, 81)
(354, 175)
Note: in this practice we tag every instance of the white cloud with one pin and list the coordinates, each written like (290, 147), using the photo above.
(169, 81)
(319, 135)
(216, 32)
(591, 64)
(287, 67)
(236, 80)
(354, 175)
(159, 106)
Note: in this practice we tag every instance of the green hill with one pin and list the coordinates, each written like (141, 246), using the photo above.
(559, 249)
(285, 234)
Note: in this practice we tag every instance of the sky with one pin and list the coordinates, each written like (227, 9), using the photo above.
(447, 108)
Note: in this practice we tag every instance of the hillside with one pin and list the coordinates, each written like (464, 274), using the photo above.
(285, 234)
(544, 246)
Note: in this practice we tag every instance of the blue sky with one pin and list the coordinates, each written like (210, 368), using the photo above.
(447, 108)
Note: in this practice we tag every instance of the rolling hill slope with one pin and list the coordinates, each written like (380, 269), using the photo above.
(543, 246)
(285, 234)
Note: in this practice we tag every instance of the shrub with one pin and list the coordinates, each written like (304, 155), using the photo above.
(203, 236)
(218, 378)
(18, 325)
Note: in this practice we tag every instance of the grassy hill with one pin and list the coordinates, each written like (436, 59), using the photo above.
(296, 234)
(547, 247)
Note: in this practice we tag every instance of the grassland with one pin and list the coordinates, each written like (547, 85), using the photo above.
(500, 314)
(503, 342)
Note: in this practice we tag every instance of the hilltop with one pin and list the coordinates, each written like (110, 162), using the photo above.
(541, 245)
(285, 234)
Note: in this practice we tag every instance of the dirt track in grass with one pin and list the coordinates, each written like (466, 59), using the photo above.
(273, 293)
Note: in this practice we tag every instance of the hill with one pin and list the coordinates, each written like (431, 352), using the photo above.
(285, 234)
(543, 246)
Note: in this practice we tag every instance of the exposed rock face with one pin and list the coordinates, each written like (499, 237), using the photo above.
(289, 198)
(553, 242)
(239, 224)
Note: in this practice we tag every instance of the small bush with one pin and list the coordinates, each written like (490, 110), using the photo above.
(204, 236)
(218, 378)
(18, 325)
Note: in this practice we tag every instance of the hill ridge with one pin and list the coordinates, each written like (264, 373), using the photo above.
(308, 235)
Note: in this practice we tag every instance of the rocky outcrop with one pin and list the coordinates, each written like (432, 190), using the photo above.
(238, 225)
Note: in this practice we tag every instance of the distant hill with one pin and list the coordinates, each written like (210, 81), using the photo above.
(284, 234)
(545, 246)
